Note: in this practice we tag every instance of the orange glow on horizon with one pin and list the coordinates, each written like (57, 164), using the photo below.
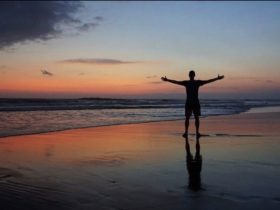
(122, 79)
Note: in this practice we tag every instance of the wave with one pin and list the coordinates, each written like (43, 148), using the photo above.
(29, 116)
(85, 103)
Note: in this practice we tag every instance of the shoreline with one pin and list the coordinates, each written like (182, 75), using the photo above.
(262, 109)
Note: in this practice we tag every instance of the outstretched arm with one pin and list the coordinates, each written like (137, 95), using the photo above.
(212, 80)
(172, 81)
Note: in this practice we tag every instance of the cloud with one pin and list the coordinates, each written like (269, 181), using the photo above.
(155, 82)
(242, 78)
(3, 67)
(256, 79)
(47, 73)
(269, 81)
(94, 61)
(264, 80)
(39, 20)
(87, 26)
(98, 18)
(151, 77)
(90, 25)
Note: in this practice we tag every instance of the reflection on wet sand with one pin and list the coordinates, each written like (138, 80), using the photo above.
(194, 165)
(142, 166)
(88, 168)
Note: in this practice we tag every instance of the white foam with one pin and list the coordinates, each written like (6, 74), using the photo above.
(267, 109)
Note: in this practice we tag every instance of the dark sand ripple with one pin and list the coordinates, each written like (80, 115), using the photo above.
(16, 192)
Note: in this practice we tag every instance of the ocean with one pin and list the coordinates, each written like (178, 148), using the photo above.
(30, 116)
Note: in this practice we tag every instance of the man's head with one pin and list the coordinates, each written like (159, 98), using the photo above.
(191, 74)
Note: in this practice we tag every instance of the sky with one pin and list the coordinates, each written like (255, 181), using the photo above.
(122, 49)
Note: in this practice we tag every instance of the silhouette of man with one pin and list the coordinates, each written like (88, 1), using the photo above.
(192, 103)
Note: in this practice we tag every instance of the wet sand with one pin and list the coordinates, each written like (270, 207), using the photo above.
(143, 166)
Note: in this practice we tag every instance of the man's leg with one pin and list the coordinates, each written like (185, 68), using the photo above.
(188, 113)
(187, 122)
(197, 124)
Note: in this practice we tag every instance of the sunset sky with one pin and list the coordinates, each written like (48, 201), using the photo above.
(121, 49)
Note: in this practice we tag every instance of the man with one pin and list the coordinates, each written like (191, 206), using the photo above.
(192, 103)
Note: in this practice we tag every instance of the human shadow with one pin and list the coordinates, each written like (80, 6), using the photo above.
(193, 165)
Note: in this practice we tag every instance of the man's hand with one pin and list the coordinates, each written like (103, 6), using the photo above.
(220, 77)
(164, 79)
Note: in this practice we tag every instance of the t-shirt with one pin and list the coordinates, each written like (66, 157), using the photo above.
(192, 87)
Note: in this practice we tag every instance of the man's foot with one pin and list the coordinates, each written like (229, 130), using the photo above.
(185, 135)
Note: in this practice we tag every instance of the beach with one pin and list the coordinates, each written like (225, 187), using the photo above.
(143, 166)
(96, 99)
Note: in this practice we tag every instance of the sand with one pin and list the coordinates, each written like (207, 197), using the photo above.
(143, 166)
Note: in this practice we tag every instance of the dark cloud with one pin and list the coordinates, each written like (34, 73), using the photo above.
(98, 18)
(90, 25)
(39, 20)
(87, 26)
(47, 73)
(97, 61)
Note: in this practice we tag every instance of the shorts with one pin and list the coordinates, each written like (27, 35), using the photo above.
(192, 108)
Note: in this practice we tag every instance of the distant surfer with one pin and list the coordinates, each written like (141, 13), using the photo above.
(192, 103)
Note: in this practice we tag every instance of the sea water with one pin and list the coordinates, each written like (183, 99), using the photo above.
(29, 116)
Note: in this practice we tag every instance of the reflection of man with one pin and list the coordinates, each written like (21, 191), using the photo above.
(192, 102)
(194, 166)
